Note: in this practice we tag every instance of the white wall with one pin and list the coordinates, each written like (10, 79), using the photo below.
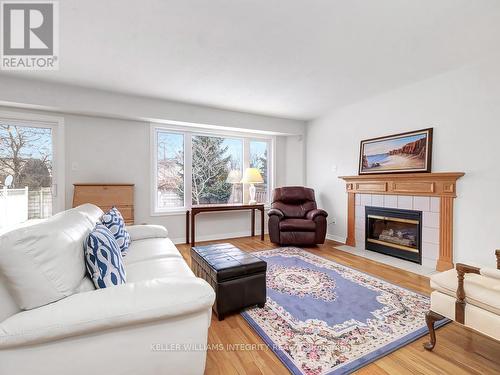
(295, 160)
(463, 106)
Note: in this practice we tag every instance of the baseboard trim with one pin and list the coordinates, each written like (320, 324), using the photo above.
(336, 238)
(220, 236)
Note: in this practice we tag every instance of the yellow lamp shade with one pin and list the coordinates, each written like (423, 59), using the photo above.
(252, 176)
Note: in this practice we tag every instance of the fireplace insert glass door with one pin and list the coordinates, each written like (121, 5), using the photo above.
(394, 232)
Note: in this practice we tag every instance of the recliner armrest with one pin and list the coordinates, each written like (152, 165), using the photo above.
(276, 212)
(142, 232)
(102, 309)
(311, 215)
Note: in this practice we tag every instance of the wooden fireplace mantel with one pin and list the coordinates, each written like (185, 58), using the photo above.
(441, 185)
(428, 184)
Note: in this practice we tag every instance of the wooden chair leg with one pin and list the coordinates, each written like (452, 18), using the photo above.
(431, 317)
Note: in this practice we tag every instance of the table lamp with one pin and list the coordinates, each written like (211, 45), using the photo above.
(234, 177)
(252, 176)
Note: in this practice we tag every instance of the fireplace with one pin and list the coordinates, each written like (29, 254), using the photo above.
(394, 232)
(385, 190)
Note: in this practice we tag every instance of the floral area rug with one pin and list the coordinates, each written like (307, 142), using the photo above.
(325, 318)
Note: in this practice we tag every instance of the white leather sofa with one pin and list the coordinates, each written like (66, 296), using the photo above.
(156, 323)
(468, 295)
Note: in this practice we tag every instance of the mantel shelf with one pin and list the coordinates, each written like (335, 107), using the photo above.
(441, 184)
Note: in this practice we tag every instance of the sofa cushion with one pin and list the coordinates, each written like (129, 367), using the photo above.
(8, 306)
(490, 272)
(447, 282)
(90, 210)
(484, 292)
(103, 258)
(149, 249)
(297, 225)
(142, 232)
(44, 263)
(113, 220)
(158, 268)
(480, 290)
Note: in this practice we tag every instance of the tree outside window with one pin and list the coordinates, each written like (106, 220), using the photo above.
(26, 155)
(216, 167)
(212, 160)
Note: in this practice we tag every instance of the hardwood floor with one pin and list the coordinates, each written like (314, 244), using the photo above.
(458, 350)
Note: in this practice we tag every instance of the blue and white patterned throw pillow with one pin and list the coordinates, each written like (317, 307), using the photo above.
(113, 220)
(103, 258)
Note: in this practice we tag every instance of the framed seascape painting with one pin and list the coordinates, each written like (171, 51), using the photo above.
(399, 153)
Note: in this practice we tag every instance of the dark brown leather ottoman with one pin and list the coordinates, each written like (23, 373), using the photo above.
(238, 277)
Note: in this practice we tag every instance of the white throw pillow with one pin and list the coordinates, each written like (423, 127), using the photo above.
(44, 263)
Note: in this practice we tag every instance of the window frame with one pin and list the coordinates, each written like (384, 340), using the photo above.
(56, 124)
(246, 138)
(270, 165)
(154, 194)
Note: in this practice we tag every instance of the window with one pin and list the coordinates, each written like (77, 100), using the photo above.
(206, 168)
(259, 160)
(28, 182)
(169, 170)
(213, 159)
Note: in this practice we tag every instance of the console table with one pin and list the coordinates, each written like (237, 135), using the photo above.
(195, 210)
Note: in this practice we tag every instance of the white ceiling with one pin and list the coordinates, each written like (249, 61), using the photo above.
(288, 58)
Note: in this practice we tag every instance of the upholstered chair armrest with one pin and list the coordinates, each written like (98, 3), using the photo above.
(102, 309)
(311, 215)
(462, 269)
(276, 212)
(142, 232)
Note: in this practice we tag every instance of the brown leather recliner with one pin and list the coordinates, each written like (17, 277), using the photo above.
(294, 218)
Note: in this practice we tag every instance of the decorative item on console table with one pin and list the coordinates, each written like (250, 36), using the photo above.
(252, 176)
(234, 178)
(105, 196)
(441, 185)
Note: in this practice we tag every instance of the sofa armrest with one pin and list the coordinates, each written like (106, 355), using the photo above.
(311, 215)
(141, 232)
(276, 212)
(102, 309)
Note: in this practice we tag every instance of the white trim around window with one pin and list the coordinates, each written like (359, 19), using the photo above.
(56, 123)
(188, 133)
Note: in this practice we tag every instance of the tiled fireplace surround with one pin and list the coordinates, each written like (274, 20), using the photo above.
(431, 193)
(430, 219)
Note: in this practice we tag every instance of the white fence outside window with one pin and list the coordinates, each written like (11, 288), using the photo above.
(20, 205)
